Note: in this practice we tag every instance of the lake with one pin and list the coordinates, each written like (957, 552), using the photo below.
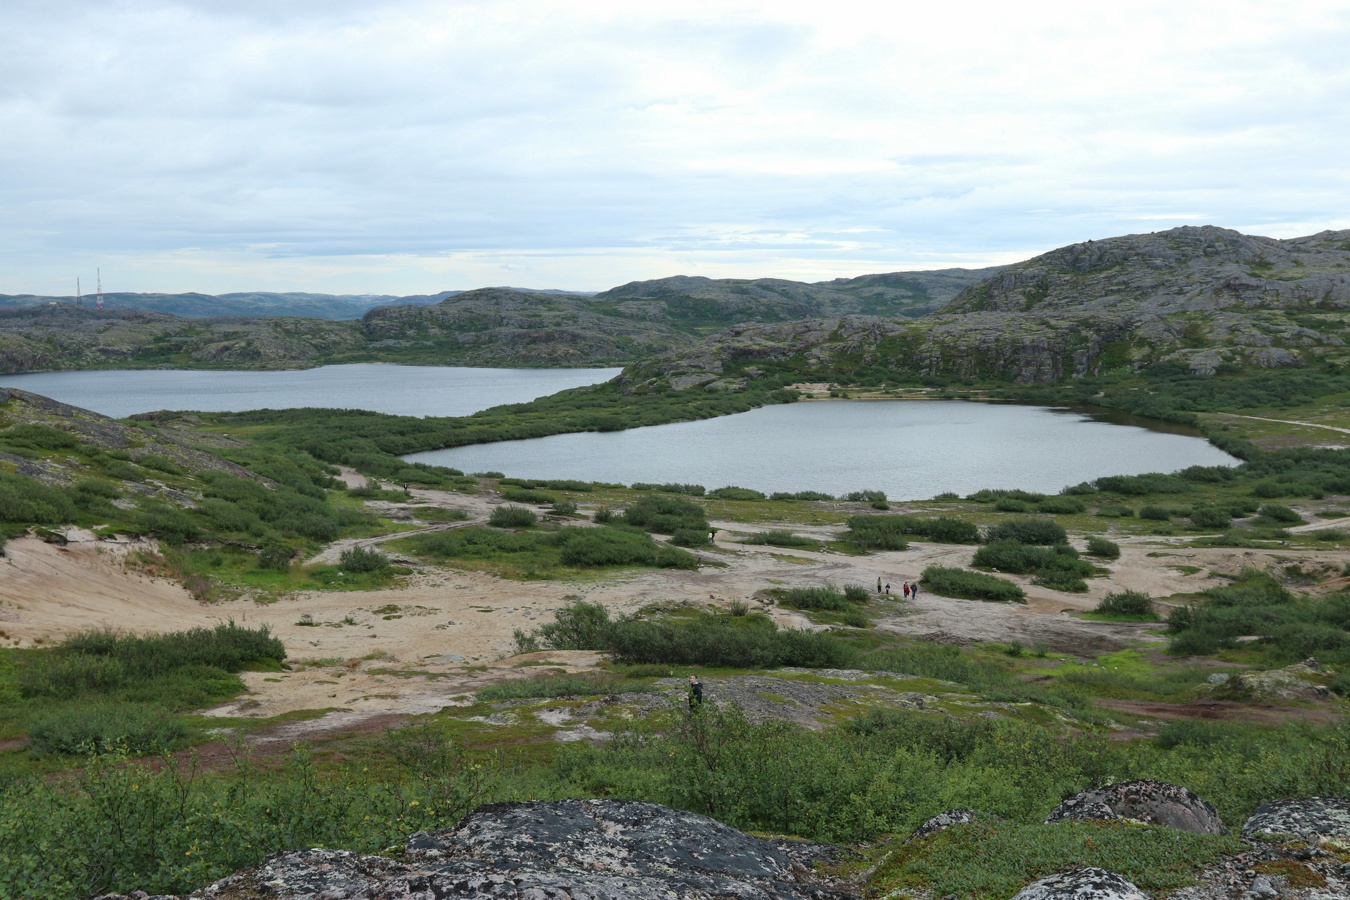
(909, 449)
(399, 390)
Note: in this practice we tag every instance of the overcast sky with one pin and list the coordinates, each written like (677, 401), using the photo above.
(363, 146)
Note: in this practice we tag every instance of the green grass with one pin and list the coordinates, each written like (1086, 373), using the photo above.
(549, 686)
(994, 860)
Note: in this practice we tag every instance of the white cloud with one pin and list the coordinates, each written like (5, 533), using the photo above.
(416, 146)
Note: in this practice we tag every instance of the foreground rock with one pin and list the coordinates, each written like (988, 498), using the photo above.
(563, 850)
(1148, 801)
(1324, 820)
(1082, 884)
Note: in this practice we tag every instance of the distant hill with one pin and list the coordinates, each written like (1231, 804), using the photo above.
(485, 327)
(260, 304)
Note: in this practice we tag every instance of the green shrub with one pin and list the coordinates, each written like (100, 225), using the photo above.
(799, 495)
(1210, 517)
(1027, 531)
(1140, 485)
(887, 532)
(689, 537)
(521, 495)
(31, 502)
(603, 516)
(1061, 505)
(1276, 512)
(714, 643)
(735, 493)
(663, 515)
(363, 559)
(1128, 603)
(512, 517)
(1100, 546)
(1156, 513)
(1114, 511)
(951, 582)
(865, 497)
(599, 547)
(781, 539)
(578, 626)
(275, 557)
(856, 593)
(563, 508)
(1010, 504)
(814, 598)
(106, 727)
(693, 490)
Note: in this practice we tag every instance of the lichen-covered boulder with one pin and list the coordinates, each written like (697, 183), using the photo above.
(1082, 884)
(1148, 801)
(942, 821)
(564, 850)
(1314, 819)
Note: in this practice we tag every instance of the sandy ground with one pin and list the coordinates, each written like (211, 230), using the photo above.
(424, 646)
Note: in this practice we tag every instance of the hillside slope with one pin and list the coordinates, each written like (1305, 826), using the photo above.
(1192, 300)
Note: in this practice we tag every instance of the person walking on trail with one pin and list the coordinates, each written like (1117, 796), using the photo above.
(888, 589)
(906, 590)
(914, 591)
(878, 584)
(695, 693)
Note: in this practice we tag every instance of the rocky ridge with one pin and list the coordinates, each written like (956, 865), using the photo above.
(1197, 299)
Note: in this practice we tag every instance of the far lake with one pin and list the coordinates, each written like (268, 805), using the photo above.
(911, 450)
(399, 390)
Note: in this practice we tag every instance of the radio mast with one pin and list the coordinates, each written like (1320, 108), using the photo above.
(79, 297)
(100, 288)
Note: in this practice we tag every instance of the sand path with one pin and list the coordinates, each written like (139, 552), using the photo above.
(425, 645)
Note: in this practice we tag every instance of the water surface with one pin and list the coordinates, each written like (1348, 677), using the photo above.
(909, 449)
(399, 390)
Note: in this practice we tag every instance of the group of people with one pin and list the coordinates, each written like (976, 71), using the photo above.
(910, 590)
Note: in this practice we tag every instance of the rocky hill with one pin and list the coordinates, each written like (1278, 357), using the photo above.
(1199, 300)
(490, 326)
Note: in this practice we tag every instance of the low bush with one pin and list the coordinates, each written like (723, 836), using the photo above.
(363, 559)
(1101, 547)
(275, 557)
(1010, 504)
(1210, 517)
(563, 508)
(32, 502)
(663, 515)
(815, 598)
(1276, 512)
(1114, 511)
(107, 727)
(1027, 531)
(1062, 505)
(856, 593)
(689, 537)
(599, 547)
(512, 517)
(1128, 603)
(799, 495)
(732, 492)
(693, 490)
(781, 539)
(707, 642)
(1157, 513)
(524, 495)
(951, 582)
(887, 532)
(865, 497)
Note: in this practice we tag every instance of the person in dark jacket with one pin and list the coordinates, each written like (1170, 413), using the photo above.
(695, 692)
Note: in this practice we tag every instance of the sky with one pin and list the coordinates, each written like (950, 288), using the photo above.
(401, 147)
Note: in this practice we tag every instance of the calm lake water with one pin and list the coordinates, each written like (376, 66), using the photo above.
(910, 450)
(400, 390)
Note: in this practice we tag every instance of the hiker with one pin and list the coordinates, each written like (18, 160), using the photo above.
(878, 584)
(888, 589)
(914, 591)
(906, 590)
(695, 692)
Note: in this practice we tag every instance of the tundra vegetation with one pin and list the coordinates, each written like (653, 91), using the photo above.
(87, 805)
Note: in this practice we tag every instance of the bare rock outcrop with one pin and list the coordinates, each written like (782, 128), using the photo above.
(1317, 820)
(1082, 884)
(563, 850)
(1148, 801)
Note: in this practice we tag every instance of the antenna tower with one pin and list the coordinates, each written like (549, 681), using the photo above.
(100, 288)
(79, 297)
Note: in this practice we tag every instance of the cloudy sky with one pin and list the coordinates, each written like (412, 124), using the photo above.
(395, 146)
